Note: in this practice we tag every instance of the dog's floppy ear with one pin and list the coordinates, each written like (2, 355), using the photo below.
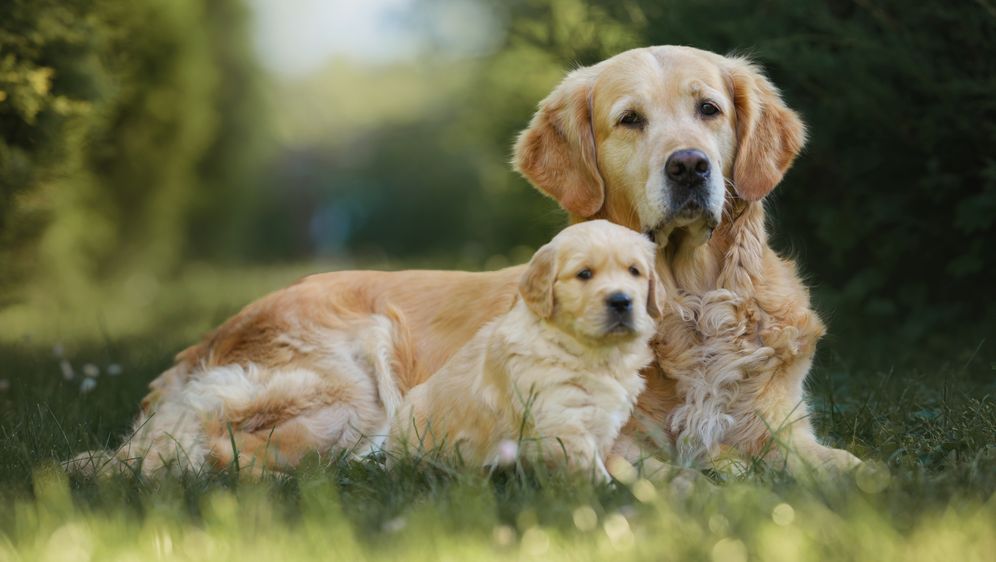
(557, 154)
(536, 285)
(655, 295)
(769, 134)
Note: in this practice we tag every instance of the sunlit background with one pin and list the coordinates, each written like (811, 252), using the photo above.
(166, 161)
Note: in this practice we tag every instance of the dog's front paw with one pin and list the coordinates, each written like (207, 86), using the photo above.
(839, 461)
(822, 462)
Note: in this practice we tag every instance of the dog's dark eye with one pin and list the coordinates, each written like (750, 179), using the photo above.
(632, 120)
(708, 109)
(634, 271)
(585, 274)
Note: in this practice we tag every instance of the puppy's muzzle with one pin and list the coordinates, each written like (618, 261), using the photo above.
(620, 312)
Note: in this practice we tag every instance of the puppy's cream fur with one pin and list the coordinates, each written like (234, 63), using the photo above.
(554, 373)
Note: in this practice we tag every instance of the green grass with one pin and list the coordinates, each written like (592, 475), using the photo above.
(927, 493)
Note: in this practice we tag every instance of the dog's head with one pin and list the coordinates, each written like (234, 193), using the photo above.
(595, 280)
(652, 137)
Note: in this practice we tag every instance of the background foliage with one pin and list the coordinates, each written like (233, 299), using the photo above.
(126, 127)
(141, 137)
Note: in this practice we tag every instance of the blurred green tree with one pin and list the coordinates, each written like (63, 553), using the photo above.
(122, 122)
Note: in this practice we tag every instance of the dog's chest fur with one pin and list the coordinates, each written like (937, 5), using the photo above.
(727, 355)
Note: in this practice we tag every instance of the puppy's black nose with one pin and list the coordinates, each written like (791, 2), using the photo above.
(687, 167)
(619, 302)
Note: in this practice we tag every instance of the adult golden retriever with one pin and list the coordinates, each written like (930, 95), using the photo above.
(675, 142)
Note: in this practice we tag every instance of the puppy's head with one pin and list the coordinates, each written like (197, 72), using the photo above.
(652, 137)
(595, 280)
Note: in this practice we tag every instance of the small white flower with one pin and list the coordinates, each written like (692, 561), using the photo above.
(87, 385)
(91, 370)
(114, 369)
(508, 451)
(67, 370)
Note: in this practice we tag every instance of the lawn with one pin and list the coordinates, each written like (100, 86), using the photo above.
(72, 373)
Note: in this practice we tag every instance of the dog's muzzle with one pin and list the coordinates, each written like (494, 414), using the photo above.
(688, 173)
(689, 182)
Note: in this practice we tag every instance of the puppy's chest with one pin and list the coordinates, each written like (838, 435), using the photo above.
(602, 403)
(561, 389)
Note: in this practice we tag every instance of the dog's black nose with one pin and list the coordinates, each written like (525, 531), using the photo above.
(687, 167)
(619, 302)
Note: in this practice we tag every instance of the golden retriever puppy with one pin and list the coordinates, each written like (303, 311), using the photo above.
(674, 142)
(559, 372)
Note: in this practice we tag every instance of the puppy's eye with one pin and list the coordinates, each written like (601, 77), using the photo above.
(708, 109)
(585, 274)
(634, 271)
(632, 120)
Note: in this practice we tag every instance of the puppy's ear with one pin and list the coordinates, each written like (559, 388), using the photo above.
(557, 152)
(536, 285)
(769, 134)
(655, 295)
